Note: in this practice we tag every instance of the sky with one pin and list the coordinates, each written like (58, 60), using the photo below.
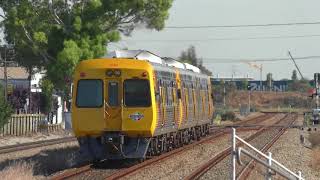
(214, 45)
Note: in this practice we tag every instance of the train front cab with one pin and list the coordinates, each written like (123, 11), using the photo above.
(113, 109)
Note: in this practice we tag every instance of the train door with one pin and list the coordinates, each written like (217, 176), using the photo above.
(175, 104)
(163, 104)
(113, 104)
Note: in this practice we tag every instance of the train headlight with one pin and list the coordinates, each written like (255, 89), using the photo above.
(117, 73)
(109, 73)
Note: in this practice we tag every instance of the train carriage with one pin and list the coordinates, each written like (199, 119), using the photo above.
(136, 103)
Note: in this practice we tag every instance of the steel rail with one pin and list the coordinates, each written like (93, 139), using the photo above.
(223, 154)
(123, 172)
(31, 145)
(76, 172)
(246, 171)
(72, 172)
(223, 131)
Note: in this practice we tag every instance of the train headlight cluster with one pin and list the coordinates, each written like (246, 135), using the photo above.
(116, 72)
(109, 73)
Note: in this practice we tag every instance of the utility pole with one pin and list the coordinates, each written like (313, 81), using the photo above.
(5, 73)
(256, 67)
(270, 82)
(260, 77)
(249, 98)
(5, 70)
(316, 85)
(295, 65)
(224, 94)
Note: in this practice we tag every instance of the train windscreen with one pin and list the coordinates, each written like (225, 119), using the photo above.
(137, 93)
(89, 93)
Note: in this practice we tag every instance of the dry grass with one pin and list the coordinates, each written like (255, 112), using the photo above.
(315, 160)
(53, 160)
(45, 162)
(314, 139)
(18, 171)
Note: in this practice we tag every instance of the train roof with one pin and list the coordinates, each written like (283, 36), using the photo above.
(153, 58)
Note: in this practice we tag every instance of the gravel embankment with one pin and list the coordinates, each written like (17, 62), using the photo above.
(182, 164)
(293, 154)
(44, 160)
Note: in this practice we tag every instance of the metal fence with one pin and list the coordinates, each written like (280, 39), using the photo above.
(266, 160)
(23, 124)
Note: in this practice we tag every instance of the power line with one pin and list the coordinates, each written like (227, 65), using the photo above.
(242, 25)
(223, 39)
(240, 60)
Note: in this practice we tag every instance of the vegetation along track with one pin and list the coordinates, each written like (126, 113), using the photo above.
(31, 145)
(262, 139)
(215, 133)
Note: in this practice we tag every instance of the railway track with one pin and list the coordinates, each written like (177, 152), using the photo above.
(244, 172)
(31, 145)
(249, 167)
(126, 171)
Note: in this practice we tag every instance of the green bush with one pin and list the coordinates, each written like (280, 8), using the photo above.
(228, 115)
(46, 96)
(5, 109)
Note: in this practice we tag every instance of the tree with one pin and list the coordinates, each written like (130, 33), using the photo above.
(46, 95)
(190, 56)
(302, 85)
(56, 35)
(294, 76)
(244, 84)
(5, 109)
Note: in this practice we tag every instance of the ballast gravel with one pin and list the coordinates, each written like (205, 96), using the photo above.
(294, 154)
(184, 163)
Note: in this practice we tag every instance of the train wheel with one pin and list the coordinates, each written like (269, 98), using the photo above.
(198, 133)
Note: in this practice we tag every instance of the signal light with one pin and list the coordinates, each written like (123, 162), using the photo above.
(144, 74)
(82, 74)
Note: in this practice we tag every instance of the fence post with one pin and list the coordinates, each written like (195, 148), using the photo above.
(268, 168)
(233, 155)
(300, 175)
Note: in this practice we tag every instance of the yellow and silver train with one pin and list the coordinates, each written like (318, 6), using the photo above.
(135, 104)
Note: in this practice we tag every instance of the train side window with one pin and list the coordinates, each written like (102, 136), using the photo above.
(179, 93)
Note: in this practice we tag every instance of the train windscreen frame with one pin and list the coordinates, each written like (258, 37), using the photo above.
(137, 93)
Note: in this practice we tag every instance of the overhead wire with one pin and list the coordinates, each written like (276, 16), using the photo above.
(222, 39)
(243, 25)
(240, 60)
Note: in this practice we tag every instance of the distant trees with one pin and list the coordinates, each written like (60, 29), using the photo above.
(190, 56)
(302, 85)
(294, 76)
(223, 89)
(244, 84)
